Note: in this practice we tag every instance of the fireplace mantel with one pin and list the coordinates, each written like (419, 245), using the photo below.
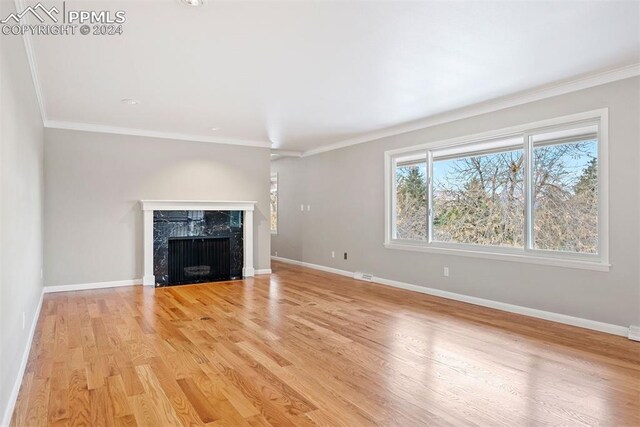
(149, 206)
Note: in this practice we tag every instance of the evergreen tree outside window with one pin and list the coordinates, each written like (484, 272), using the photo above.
(411, 198)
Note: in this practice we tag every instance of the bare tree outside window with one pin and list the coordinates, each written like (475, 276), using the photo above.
(566, 197)
(480, 199)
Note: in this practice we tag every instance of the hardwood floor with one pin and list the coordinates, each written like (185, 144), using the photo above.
(302, 347)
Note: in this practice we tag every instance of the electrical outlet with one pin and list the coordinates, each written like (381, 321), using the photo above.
(24, 320)
(41, 273)
(276, 253)
(308, 208)
(345, 255)
(301, 208)
(446, 272)
(333, 254)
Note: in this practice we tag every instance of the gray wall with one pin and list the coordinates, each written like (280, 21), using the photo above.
(20, 207)
(93, 182)
(345, 189)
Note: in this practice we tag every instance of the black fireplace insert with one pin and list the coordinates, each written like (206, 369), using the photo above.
(199, 259)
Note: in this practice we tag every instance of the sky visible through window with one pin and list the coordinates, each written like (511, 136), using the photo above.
(575, 164)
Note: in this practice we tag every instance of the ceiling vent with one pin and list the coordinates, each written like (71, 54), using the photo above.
(367, 277)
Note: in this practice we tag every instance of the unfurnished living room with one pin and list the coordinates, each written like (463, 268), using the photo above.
(319, 213)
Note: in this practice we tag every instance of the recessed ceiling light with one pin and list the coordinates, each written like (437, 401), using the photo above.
(129, 101)
(194, 3)
(215, 129)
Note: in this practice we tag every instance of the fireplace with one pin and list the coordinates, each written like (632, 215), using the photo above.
(167, 220)
(199, 259)
(179, 243)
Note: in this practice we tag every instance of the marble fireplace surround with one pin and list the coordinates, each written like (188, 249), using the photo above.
(149, 206)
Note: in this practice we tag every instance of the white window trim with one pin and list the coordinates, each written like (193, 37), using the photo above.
(598, 262)
(275, 175)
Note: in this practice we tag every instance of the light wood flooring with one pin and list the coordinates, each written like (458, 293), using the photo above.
(302, 347)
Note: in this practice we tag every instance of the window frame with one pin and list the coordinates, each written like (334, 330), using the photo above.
(271, 177)
(394, 206)
(527, 253)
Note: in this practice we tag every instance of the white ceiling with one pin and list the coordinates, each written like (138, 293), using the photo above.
(307, 74)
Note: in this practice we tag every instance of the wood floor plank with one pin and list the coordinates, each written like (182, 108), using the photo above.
(307, 348)
(131, 382)
(144, 412)
(158, 398)
(174, 393)
(79, 399)
(38, 402)
(101, 410)
(197, 400)
(118, 396)
(22, 405)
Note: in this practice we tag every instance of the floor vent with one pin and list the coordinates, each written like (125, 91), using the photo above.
(367, 277)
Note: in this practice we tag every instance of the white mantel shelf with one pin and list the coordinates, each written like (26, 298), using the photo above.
(149, 206)
(196, 205)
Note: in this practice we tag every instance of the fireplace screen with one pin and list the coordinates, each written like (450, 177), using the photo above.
(199, 259)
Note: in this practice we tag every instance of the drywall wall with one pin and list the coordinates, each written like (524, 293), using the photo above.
(94, 182)
(345, 189)
(21, 189)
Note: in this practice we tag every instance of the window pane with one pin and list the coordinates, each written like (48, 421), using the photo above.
(565, 212)
(274, 203)
(411, 197)
(479, 199)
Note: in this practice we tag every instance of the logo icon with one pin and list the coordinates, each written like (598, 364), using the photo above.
(33, 10)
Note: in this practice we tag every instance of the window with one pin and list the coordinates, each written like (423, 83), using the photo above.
(478, 196)
(411, 197)
(565, 190)
(531, 193)
(274, 203)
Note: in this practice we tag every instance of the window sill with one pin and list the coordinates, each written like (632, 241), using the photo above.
(515, 257)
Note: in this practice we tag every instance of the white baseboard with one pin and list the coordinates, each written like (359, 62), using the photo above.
(13, 397)
(532, 312)
(634, 332)
(86, 286)
(314, 266)
(263, 271)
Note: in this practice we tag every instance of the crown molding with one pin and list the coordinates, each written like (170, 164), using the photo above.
(88, 127)
(285, 153)
(279, 154)
(543, 92)
(33, 64)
